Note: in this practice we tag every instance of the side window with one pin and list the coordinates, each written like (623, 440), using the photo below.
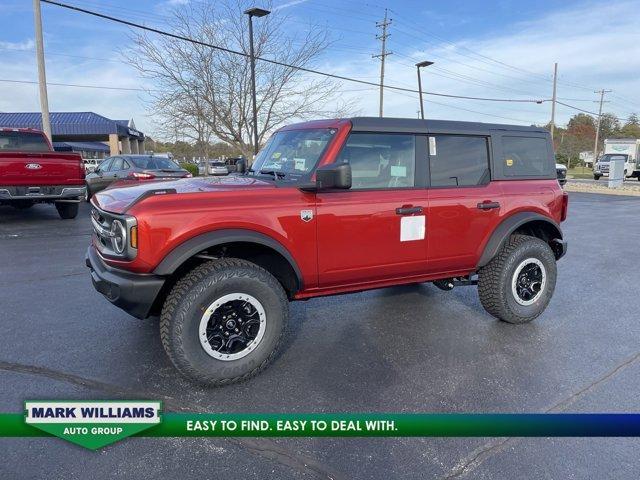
(458, 160)
(125, 165)
(104, 166)
(526, 157)
(380, 160)
(116, 164)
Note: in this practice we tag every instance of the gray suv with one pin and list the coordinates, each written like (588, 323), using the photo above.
(132, 168)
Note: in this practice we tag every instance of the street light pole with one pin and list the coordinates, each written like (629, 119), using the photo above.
(418, 65)
(254, 12)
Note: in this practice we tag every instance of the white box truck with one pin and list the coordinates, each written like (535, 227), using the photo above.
(627, 149)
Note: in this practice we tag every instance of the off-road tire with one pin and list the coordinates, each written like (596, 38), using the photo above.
(199, 288)
(495, 279)
(67, 210)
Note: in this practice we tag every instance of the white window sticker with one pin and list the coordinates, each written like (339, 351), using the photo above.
(299, 163)
(432, 146)
(412, 228)
(398, 171)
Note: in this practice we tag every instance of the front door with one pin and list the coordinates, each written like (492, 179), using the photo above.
(464, 205)
(377, 229)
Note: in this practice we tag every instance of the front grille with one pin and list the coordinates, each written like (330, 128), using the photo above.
(102, 230)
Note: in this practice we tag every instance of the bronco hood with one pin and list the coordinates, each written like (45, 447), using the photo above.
(120, 197)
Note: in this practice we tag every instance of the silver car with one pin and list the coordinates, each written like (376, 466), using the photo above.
(216, 168)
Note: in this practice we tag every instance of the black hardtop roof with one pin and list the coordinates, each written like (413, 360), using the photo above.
(414, 125)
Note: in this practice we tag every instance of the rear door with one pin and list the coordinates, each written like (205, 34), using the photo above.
(376, 230)
(464, 205)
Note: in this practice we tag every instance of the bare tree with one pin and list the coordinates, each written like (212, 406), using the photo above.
(207, 92)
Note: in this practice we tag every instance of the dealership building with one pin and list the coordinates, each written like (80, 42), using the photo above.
(90, 134)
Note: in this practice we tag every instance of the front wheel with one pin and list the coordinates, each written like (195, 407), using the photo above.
(67, 210)
(517, 284)
(223, 321)
(596, 177)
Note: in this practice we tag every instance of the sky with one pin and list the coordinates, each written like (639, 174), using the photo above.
(501, 49)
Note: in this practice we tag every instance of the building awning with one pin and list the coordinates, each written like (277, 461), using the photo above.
(71, 123)
(80, 147)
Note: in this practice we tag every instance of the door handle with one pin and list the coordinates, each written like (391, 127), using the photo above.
(408, 210)
(488, 205)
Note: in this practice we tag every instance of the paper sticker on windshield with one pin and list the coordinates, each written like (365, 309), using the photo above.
(509, 162)
(432, 146)
(398, 171)
(300, 163)
(276, 155)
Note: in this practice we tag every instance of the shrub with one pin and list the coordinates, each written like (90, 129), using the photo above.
(191, 168)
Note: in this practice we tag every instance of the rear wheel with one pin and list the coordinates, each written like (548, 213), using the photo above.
(596, 177)
(67, 210)
(223, 321)
(518, 283)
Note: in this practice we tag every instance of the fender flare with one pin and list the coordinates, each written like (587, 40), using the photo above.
(194, 245)
(507, 227)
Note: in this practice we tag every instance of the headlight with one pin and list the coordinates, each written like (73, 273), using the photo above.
(119, 238)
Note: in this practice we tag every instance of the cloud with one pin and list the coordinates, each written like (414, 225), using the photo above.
(291, 3)
(595, 45)
(24, 45)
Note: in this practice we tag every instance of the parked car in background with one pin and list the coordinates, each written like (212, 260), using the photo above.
(216, 167)
(31, 172)
(561, 173)
(132, 168)
(236, 164)
(90, 164)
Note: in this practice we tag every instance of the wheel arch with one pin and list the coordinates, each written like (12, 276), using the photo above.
(526, 223)
(265, 251)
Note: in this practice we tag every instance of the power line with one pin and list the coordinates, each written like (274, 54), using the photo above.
(100, 87)
(275, 62)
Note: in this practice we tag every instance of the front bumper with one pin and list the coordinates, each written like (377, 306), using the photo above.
(45, 192)
(134, 293)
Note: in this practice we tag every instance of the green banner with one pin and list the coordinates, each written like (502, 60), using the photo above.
(95, 424)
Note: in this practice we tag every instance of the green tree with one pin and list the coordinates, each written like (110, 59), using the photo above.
(609, 126)
(631, 128)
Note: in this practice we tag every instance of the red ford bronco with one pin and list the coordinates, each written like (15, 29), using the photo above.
(31, 172)
(329, 207)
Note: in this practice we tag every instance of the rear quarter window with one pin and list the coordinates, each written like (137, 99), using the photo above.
(526, 157)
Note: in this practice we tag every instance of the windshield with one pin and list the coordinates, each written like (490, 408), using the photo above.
(23, 142)
(154, 163)
(608, 158)
(293, 154)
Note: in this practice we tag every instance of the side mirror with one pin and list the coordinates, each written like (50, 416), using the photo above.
(334, 176)
(241, 165)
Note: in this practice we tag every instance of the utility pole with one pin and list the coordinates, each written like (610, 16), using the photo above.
(595, 145)
(42, 77)
(383, 53)
(553, 100)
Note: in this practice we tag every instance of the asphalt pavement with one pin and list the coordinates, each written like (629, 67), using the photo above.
(404, 349)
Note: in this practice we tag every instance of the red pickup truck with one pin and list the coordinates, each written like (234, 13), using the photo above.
(31, 172)
(331, 207)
